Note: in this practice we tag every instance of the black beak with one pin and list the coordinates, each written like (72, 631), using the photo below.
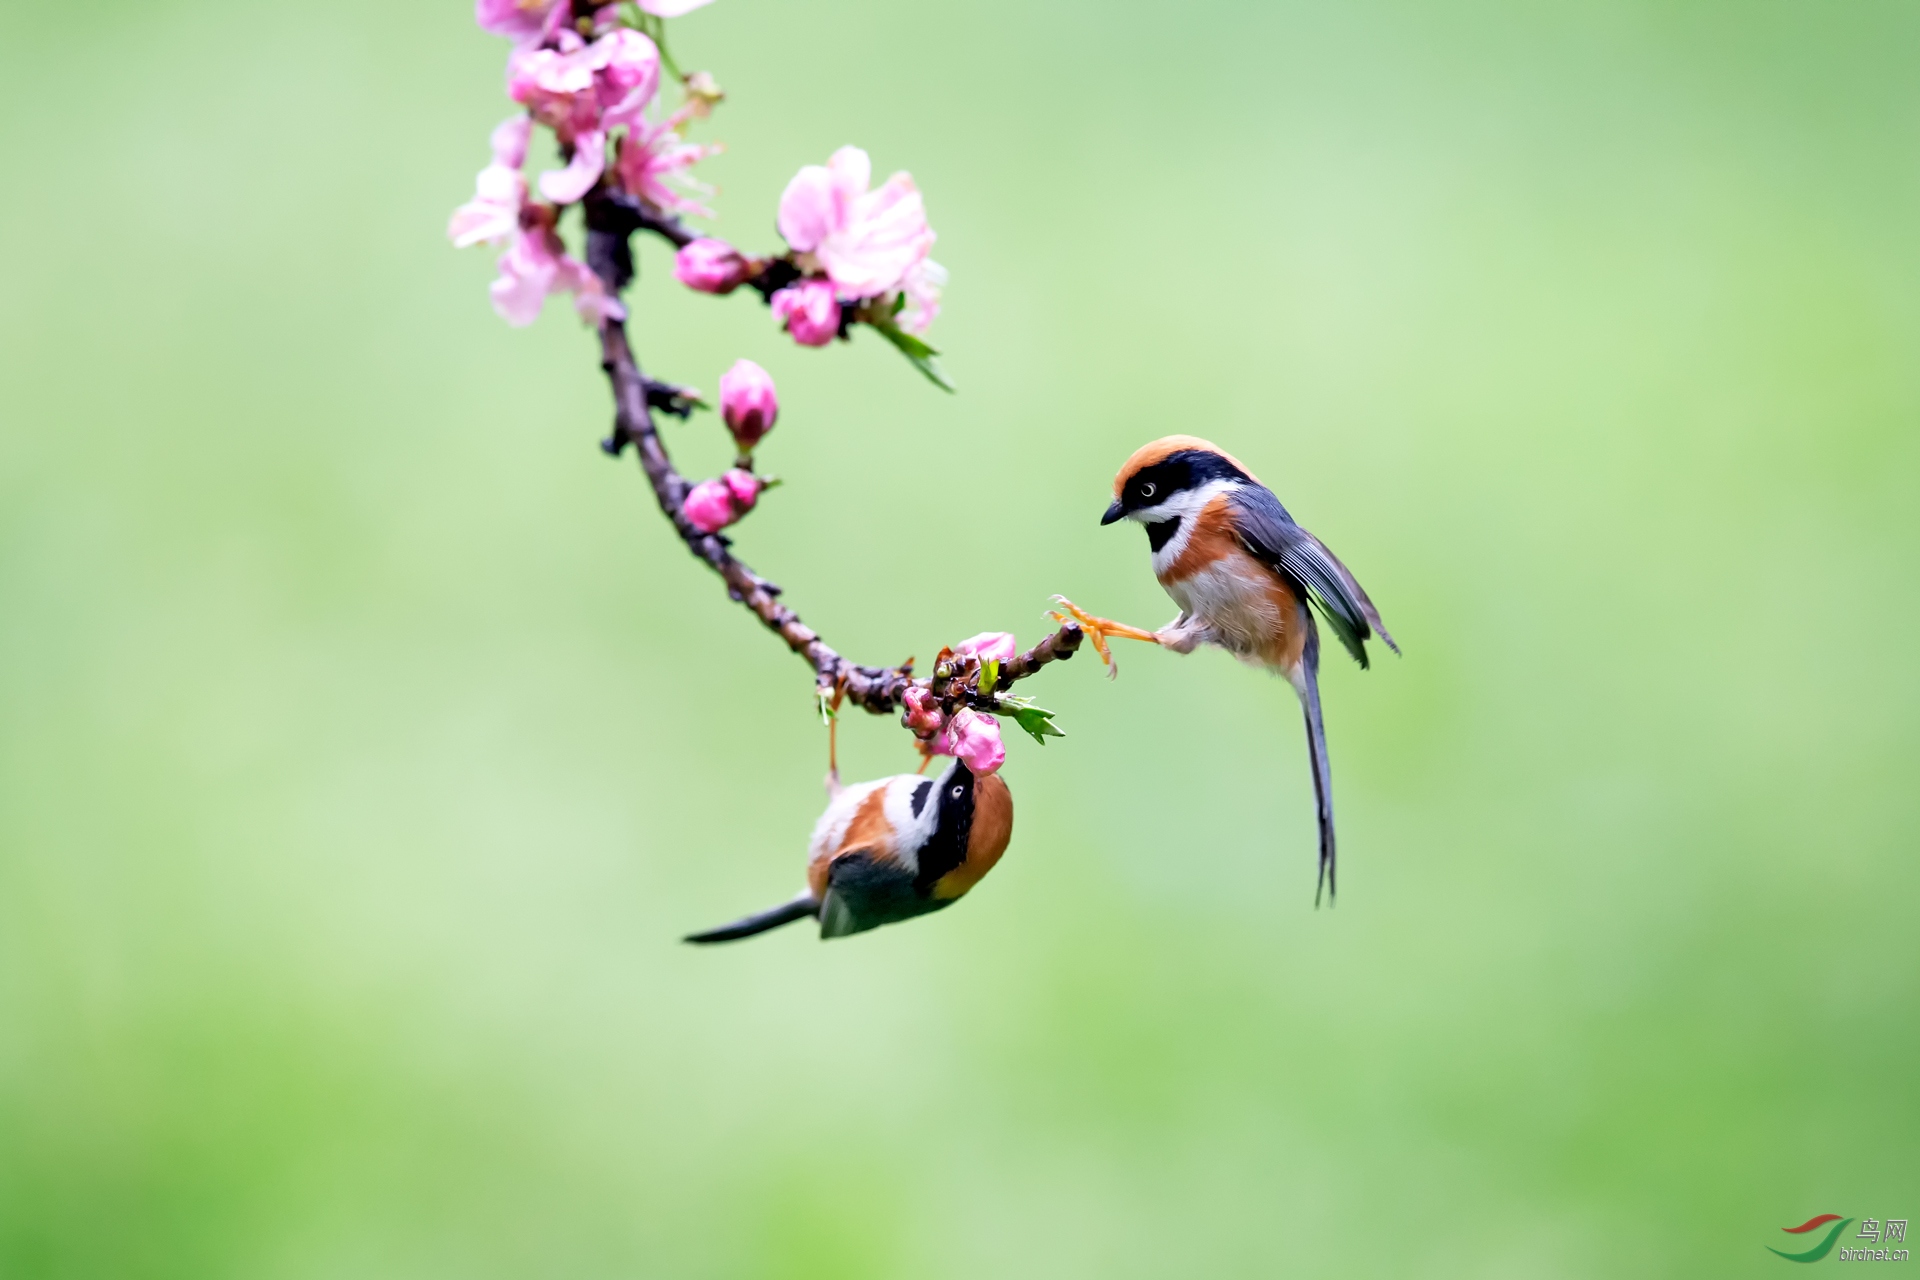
(1114, 512)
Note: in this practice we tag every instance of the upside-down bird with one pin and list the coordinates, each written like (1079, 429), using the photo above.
(892, 849)
(1242, 573)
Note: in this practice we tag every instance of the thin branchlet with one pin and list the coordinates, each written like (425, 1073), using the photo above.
(612, 218)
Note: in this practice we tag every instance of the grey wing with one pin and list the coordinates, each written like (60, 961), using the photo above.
(1271, 535)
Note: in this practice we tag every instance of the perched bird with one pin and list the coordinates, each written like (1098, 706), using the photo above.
(892, 849)
(1242, 573)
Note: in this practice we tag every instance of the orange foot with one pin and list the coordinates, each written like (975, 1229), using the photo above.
(1098, 629)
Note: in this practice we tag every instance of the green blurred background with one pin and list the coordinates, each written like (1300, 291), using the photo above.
(366, 739)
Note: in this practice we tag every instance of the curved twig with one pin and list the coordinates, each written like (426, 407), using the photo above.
(612, 218)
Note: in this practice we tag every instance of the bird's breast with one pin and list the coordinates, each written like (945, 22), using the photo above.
(1197, 539)
(1246, 608)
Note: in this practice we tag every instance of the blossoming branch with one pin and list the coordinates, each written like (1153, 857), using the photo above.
(590, 77)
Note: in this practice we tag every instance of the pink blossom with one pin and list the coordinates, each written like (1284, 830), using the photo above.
(748, 403)
(537, 264)
(581, 91)
(922, 287)
(866, 241)
(523, 21)
(989, 646)
(923, 710)
(499, 191)
(711, 266)
(651, 154)
(810, 310)
(712, 505)
(744, 486)
(974, 737)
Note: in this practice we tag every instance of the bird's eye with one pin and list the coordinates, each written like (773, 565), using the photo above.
(957, 792)
(1148, 489)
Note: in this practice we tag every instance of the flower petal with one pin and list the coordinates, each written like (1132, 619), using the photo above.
(807, 209)
(923, 287)
(852, 171)
(564, 186)
(989, 646)
(509, 140)
(527, 271)
(630, 75)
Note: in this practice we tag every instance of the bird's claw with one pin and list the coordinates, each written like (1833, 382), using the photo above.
(1098, 629)
(1069, 611)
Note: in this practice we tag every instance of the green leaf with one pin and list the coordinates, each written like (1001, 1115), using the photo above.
(912, 344)
(827, 712)
(989, 675)
(1037, 721)
(918, 353)
(652, 27)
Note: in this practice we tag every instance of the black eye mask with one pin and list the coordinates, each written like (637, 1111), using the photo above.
(1187, 469)
(946, 848)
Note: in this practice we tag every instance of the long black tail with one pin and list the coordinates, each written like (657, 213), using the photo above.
(804, 907)
(1309, 687)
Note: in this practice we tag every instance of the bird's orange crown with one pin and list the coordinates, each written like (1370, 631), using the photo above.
(1165, 447)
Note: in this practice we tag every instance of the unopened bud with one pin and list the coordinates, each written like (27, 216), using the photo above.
(711, 266)
(712, 505)
(810, 310)
(748, 403)
(923, 712)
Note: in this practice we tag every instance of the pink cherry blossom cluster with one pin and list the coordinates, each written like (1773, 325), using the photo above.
(864, 244)
(856, 253)
(590, 80)
(860, 253)
(589, 76)
(973, 736)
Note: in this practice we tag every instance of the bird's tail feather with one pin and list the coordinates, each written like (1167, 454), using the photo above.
(1307, 681)
(803, 907)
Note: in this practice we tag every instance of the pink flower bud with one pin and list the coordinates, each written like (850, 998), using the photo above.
(745, 487)
(711, 266)
(748, 403)
(810, 311)
(989, 646)
(709, 506)
(975, 738)
(923, 710)
(712, 505)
